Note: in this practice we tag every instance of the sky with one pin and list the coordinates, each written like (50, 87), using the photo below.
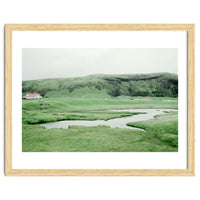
(41, 63)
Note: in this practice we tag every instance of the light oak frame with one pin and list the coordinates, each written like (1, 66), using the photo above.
(190, 171)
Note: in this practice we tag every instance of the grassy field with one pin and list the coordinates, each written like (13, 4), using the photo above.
(161, 133)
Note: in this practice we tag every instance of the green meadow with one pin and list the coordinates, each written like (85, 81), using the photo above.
(94, 98)
(161, 133)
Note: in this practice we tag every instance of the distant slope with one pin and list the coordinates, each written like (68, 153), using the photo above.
(155, 84)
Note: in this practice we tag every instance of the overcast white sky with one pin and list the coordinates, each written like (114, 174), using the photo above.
(40, 63)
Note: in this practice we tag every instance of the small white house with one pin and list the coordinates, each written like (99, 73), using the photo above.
(32, 96)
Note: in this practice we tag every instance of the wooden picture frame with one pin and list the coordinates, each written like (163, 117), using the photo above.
(190, 171)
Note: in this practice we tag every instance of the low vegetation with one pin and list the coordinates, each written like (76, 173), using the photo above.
(164, 128)
(105, 86)
(93, 98)
(103, 138)
(160, 133)
(57, 109)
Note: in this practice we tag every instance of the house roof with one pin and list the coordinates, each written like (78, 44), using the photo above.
(32, 95)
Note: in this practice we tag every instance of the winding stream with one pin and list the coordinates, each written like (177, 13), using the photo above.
(113, 123)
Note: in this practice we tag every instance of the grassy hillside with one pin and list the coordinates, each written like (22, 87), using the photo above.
(106, 86)
(95, 97)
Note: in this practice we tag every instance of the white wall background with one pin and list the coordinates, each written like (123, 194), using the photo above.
(104, 11)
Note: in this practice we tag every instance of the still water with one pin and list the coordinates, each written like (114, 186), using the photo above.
(113, 123)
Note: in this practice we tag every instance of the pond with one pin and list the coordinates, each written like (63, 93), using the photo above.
(113, 123)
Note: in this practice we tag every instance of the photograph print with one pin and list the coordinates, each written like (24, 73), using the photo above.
(100, 100)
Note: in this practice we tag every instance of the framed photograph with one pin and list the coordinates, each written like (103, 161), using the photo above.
(99, 99)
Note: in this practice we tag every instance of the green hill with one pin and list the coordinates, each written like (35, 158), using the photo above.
(105, 86)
